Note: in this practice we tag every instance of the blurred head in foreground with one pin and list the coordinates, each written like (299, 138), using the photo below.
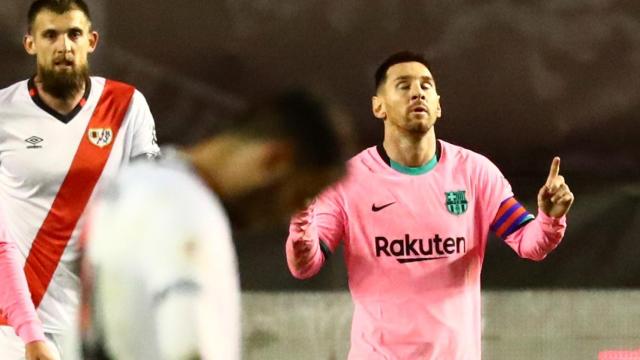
(160, 275)
(273, 158)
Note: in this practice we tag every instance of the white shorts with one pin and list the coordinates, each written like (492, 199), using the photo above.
(12, 347)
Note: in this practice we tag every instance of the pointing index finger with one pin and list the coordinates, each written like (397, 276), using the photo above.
(554, 170)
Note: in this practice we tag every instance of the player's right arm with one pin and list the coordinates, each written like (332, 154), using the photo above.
(314, 233)
(303, 245)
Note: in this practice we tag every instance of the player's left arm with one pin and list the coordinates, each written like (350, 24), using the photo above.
(555, 198)
(535, 239)
(145, 142)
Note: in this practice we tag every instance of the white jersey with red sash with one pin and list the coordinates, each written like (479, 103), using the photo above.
(50, 166)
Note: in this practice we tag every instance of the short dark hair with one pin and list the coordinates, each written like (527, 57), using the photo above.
(397, 58)
(57, 6)
(302, 118)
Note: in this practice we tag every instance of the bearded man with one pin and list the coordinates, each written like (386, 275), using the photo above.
(62, 133)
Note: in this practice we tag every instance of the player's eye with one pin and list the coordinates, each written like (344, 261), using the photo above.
(426, 86)
(50, 34)
(74, 34)
(403, 86)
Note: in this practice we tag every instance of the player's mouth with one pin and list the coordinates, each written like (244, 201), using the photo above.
(419, 109)
(63, 64)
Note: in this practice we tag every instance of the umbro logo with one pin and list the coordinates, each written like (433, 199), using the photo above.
(375, 208)
(33, 142)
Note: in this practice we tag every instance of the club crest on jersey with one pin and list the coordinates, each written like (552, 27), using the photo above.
(456, 202)
(100, 137)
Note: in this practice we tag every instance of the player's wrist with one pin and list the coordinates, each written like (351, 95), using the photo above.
(551, 220)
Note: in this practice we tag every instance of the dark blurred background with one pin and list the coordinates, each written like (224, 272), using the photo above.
(520, 80)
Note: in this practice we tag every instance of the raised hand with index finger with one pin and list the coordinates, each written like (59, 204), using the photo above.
(555, 197)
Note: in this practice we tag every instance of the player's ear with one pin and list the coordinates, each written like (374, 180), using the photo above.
(29, 45)
(439, 108)
(378, 108)
(93, 40)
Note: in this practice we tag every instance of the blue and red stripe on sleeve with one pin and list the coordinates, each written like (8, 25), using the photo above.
(511, 216)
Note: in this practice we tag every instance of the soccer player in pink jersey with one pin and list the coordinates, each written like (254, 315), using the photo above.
(413, 215)
(62, 132)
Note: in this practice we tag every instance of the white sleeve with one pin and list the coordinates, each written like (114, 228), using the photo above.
(145, 142)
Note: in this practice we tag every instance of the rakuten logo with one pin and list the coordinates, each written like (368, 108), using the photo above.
(409, 250)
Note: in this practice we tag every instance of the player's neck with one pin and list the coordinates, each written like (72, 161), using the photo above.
(62, 106)
(410, 150)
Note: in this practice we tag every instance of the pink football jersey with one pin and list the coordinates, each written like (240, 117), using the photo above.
(414, 246)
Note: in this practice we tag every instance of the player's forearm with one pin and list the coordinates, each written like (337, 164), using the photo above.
(15, 299)
(304, 257)
(539, 237)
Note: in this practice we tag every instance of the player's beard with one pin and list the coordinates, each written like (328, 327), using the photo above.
(419, 128)
(63, 85)
(411, 128)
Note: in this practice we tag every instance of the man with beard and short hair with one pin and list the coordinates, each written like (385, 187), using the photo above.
(61, 133)
(414, 214)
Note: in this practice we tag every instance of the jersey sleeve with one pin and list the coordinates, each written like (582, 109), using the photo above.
(15, 299)
(330, 218)
(493, 190)
(318, 229)
(537, 238)
(145, 143)
(530, 237)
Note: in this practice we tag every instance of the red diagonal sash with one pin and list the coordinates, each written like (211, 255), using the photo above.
(75, 191)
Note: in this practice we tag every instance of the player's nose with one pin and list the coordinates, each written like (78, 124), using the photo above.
(417, 93)
(63, 44)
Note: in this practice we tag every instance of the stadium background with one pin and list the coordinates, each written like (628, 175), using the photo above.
(520, 81)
